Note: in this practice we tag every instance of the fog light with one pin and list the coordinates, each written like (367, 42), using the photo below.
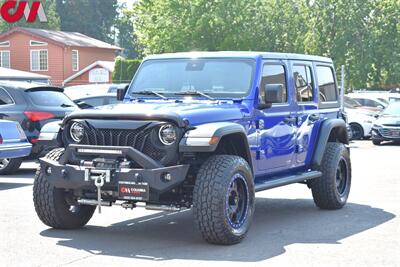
(166, 177)
(48, 170)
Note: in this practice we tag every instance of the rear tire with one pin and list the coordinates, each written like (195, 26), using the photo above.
(357, 130)
(332, 189)
(51, 203)
(9, 166)
(223, 199)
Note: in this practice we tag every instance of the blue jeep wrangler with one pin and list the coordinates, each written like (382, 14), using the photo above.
(203, 131)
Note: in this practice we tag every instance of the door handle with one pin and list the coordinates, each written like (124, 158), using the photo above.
(289, 120)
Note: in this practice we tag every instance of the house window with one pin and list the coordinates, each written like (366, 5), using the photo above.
(75, 60)
(39, 60)
(5, 44)
(37, 43)
(5, 59)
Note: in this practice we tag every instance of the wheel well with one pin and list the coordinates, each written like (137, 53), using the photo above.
(234, 144)
(338, 134)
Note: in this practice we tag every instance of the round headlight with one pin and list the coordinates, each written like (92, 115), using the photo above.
(76, 131)
(167, 134)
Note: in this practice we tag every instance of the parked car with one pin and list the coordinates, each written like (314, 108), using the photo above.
(13, 145)
(354, 104)
(387, 126)
(96, 100)
(81, 91)
(360, 123)
(32, 105)
(370, 100)
(202, 130)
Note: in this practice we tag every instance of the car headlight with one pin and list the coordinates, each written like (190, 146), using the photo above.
(77, 131)
(167, 134)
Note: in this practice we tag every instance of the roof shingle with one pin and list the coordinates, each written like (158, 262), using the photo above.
(67, 38)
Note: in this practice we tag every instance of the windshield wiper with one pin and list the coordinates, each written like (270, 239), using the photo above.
(148, 92)
(195, 93)
(66, 105)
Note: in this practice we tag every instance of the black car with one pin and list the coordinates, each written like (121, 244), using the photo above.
(387, 126)
(32, 105)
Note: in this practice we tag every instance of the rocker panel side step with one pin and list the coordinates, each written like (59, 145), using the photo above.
(285, 180)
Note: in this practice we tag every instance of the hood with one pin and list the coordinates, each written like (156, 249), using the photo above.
(195, 112)
(388, 120)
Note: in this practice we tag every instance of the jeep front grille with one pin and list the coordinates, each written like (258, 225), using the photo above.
(136, 138)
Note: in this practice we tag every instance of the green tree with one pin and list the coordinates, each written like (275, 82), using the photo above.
(53, 20)
(93, 18)
(126, 37)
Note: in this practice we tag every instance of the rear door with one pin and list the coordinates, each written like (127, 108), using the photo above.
(307, 108)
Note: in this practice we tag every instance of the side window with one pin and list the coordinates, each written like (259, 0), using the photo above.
(273, 84)
(361, 101)
(94, 101)
(5, 98)
(326, 84)
(304, 83)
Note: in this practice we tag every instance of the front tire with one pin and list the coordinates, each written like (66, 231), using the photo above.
(9, 166)
(376, 142)
(357, 131)
(51, 203)
(223, 199)
(332, 189)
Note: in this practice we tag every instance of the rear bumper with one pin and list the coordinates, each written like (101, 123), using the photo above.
(15, 150)
(63, 175)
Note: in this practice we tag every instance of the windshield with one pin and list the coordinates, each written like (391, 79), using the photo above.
(214, 77)
(392, 109)
(50, 98)
(351, 103)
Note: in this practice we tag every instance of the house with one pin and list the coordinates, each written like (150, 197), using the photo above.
(69, 58)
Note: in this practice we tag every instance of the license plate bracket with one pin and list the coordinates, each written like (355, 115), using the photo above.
(138, 191)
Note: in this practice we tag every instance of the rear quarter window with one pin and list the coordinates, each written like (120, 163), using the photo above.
(49, 98)
(326, 84)
(5, 98)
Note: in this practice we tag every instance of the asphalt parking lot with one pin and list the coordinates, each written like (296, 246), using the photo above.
(287, 230)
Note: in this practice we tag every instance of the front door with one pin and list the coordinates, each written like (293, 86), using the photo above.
(276, 126)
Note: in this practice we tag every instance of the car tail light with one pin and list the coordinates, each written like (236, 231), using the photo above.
(38, 115)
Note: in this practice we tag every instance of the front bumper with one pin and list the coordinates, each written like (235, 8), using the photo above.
(68, 176)
(386, 133)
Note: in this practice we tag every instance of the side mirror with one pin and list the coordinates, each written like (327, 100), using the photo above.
(121, 93)
(264, 105)
(273, 93)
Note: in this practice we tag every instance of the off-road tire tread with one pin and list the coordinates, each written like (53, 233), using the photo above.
(210, 184)
(324, 188)
(45, 198)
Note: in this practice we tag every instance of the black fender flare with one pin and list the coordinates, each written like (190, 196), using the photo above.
(198, 139)
(326, 128)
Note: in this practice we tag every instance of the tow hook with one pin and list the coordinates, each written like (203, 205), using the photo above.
(100, 177)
